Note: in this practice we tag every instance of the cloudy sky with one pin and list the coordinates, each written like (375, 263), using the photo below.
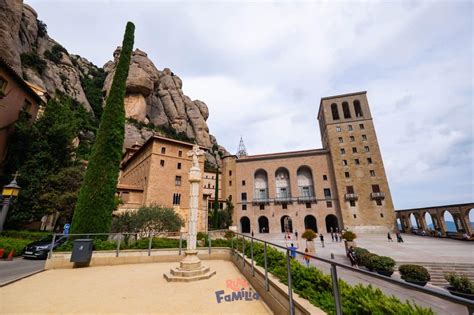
(262, 67)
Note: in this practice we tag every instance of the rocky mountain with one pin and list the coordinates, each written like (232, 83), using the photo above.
(154, 103)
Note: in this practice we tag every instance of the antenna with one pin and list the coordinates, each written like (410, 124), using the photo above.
(241, 151)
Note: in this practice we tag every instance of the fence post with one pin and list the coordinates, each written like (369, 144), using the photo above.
(266, 269)
(52, 245)
(243, 250)
(251, 256)
(180, 242)
(209, 239)
(149, 243)
(118, 246)
(335, 290)
(290, 290)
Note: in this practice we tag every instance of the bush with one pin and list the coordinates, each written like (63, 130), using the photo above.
(414, 273)
(349, 236)
(56, 53)
(366, 260)
(42, 28)
(9, 243)
(382, 263)
(309, 235)
(359, 251)
(229, 234)
(27, 235)
(460, 282)
(33, 61)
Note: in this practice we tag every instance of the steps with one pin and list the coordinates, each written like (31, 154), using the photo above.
(437, 271)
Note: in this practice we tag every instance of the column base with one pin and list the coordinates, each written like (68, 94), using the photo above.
(189, 269)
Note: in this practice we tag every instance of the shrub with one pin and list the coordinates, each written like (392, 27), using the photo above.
(33, 61)
(42, 28)
(349, 236)
(56, 53)
(27, 235)
(9, 243)
(414, 273)
(382, 263)
(366, 260)
(96, 200)
(201, 236)
(460, 282)
(309, 235)
(359, 251)
(229, 234)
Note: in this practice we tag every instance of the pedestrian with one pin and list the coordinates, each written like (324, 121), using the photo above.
(252, 233)
(306, 257)
(336, 237)
(389, 237)
(340, 237)
(293, 249)
(296, 234)
(352, 257)
(321, 237)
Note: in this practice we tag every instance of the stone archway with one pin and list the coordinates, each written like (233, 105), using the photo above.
(310, 223)
(331, 222)
(263, 226)
(449, 222)
(245, 225)
(286, 224)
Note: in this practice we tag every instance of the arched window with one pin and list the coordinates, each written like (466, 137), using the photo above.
(261, 185)
(335, 112)
(282, 183)
(358, 109)
(305, 183)
(345, 110)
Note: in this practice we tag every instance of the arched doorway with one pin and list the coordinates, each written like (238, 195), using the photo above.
(310, 223)
(429, 221)
(263, 225)
(286, 224)
(414, 222)
(331, 222)
(245, 225)
(449, 222)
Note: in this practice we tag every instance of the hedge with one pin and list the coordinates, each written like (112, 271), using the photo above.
(28, 235)
(9, 243)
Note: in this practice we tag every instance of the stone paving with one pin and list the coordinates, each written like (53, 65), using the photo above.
(137, 289)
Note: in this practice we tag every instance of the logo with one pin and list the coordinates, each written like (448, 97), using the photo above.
(241, 291)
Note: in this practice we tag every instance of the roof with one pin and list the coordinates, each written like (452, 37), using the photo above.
(280, 155)
(26, 87)
(337, 96)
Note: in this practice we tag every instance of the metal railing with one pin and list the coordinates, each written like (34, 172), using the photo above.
(333, 269)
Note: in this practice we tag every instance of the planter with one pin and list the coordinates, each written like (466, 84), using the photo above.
(310, 246)
(417, 282)
(385, 273)
(348, 245)
(460, 294)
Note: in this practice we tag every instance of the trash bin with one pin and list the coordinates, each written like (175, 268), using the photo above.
(82, 251)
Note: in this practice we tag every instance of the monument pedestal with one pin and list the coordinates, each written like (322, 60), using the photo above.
(189, 269)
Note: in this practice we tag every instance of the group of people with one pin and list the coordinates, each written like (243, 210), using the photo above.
(335, 235)
(398, 234)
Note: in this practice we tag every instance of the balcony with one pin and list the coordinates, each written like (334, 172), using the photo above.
(283, 198)
(260, 197)
(377, 196)
(349, 197)
(307, 199)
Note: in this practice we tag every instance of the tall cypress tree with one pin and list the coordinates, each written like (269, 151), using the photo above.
(96, 200)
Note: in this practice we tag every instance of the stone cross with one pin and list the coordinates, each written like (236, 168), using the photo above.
(195, 153)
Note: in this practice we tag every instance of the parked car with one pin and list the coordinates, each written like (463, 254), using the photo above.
(41, 248)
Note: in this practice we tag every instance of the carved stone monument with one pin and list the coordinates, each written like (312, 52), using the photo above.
(190, 268)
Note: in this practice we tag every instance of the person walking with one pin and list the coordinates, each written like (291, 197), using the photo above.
(293, 249)
(321, 237)
(332, 233)
(389, 237)
(306, 257)
(352, 257)
(296, 234)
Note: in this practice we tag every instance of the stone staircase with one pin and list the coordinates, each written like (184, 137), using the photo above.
(437, 271)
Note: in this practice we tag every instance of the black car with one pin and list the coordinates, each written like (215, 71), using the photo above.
(41, 248)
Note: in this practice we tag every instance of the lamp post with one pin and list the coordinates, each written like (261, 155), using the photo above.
(9, 192)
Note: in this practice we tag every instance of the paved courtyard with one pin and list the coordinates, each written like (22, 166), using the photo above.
(138, 289)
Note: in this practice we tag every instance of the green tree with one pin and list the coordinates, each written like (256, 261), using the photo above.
(215, 213)
(96, 200)
(225, 215)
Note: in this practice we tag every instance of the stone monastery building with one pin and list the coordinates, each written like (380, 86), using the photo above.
(341, 185)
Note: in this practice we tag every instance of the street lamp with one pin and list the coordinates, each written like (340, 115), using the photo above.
(9, 192)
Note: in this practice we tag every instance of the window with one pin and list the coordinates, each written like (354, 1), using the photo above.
(338, 129)
(355, 216)
(378, 202)
(375, 188)
(349, 127)
(352, 138)
(262, 207)
(357, 108)
(180, 153)
(325, 177)
(344, 162)
(334, 111)
(345, 110)
(354, 150)
(179, 166)
(381, 215)
(3, 84)
(163, 150)
(230, 183)
(177, 181)
(372, 173)
(243, 196)
(162, 163)
(308, 205)
(369, 160)
(366, 148)
(347, 174)
(361, 126)
(356, 161)
(327, 193)
(243, 183)
(341, 140)
(352, 203)
(364, 137)
(343, 151)
(329, 204)
(176, 199)
(350, 189)
(221, 205)
(244, 207)
(230, 173)
(284, 206)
